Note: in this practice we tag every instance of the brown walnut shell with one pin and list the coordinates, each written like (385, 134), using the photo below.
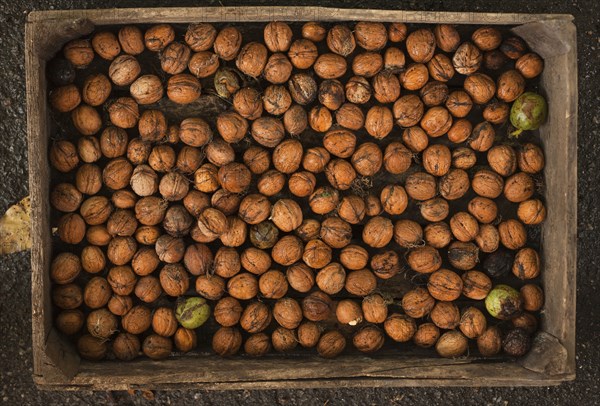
(200, 37)
(420, 45)
(487, 38)
(302, 184)
(174, 58)
(352, 209)
(314, 31)
(426, 335)
(303, 53)
(397, 32)
(513, 47)
(397, 158)
(367, 159)
(496, 112)
(131, 40)
(414, 77)
(252, 59)
(340, 143)
(467, 59)
(476, 285)
(446, 37)
(487, 183)
(440, 68)
(367, 64)
(393, 60)
(386, 87)
(273, 285)
(436, 121)
(437, 159)
(375, 308)
(106, 45)
(459, 103)
(531, 212)
(400, 327)
(256, 317)
(424, 259)
(436, 209)
(378, 232)
(379, 121)
(530, 65)
(527, 264)
(330, 66)
(417, 303)
(324, 200)
(317, 306)
(86, 119)
(434, 93)
(79, 52)
(65, 98)
(408, 110)
(124, 112)
(358, 90)
(340, 40)
(146, 89)
(278, 36)
(445, 285)
(96, 89)
(158, 37)
(511, 84)
(370, 35)
(480, 87)
(361, 282)
(227, 43)
(183, 88)
(438, 235)
(519, 187)
(287, 250)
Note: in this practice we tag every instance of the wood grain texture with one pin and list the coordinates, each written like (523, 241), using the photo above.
(56, 365)
(38, 180)
(52, 358)
(241, 14)
(556, 43)
(213, 372)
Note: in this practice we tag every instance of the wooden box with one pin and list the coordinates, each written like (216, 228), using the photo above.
(552, 359)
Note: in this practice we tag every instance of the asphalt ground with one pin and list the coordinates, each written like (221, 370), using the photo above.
(16, 385)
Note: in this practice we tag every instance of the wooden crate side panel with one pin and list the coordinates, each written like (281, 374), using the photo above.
(243, 14)
(53, 359)
(38, 189)
(215, 373)
(555, 41)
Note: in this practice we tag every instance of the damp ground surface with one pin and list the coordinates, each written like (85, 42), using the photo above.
(16, 385)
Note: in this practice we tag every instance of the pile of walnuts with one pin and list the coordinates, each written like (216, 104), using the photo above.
(351, 156)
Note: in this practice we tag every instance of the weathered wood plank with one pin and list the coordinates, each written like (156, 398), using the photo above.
(301, 13)
(216, 373)
(51, 357)
(38, 181)
(556, 43)
(322, 384)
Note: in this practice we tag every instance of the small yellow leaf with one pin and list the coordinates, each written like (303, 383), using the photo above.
(15, 234)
